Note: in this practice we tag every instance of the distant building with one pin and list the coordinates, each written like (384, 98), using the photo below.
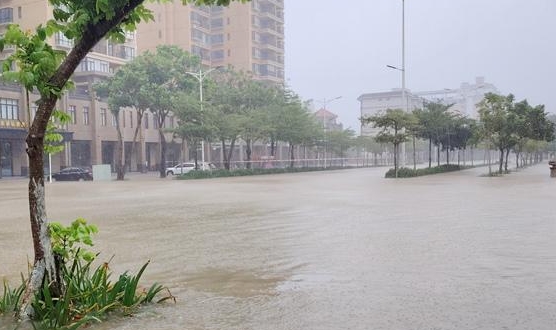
(464, 99)
(374, 103)
(328, 120)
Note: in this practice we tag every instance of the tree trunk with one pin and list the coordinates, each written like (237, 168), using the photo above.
(414, 155)
(292, 157)
(430, 152)
(506, 161)
(248, 152)
(447, 156)
(272, 147)
(396, 160)
(501, 161)
(162, 167)
(120, 153)
(134, 141)
(438, 155)
(516, 160)
(230, 154)
(44, 266)
(225, 155)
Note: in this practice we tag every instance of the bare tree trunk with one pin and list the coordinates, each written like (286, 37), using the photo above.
(430, 152)
(162, 167)
(414, 155)
(225, 155)
(134, 141)
(248, 152)
(292, 157)
(501, 161)
(506, 161)
(120, 153)
(230, 154)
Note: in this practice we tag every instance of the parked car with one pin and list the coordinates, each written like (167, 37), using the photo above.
(184, 168)
(73, 174)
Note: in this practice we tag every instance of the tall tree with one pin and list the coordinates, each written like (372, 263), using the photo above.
(392, 123)
(48, 71)
(432, 122)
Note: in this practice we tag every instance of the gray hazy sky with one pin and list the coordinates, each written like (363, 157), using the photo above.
(341, 48)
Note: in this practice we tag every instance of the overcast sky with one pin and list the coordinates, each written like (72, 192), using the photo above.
(341, 48)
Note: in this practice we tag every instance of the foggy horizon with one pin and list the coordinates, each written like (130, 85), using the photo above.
(337, 50)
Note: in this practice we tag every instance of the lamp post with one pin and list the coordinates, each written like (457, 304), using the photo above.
(324, 102)
(200, 76)
(405, 103)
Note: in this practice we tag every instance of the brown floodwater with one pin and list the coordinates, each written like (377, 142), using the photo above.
(331, 250)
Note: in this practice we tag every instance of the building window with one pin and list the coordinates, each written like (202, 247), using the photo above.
(131, 119)
(19, 14)
(114, 121)
(217, 39)
(86, 116)
(6, 15)
(103, 116)
(155, 121)
(71, 113)
(62, 40)
(146, 120)
(217, 55)
(128, 53)
(9, 108)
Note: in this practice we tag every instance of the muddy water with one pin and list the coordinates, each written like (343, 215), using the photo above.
(337, 250)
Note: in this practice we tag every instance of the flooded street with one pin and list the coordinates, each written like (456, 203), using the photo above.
(337, 250)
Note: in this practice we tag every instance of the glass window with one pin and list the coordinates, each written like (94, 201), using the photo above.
(71, 113)
(9, 108)
(103, 116)
(146, 120)
(114, 122)
(86, 116)
(6, 15)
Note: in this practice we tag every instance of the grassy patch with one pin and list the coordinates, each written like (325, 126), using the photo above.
(255, 171)
(405, 172)
(90, 294)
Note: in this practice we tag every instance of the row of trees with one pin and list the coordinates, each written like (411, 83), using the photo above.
(503, 124)
(234, 107)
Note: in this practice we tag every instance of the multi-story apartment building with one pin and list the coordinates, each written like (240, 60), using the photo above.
(90, 137)
(248, 37)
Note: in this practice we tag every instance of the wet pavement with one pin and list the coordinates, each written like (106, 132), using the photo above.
(329, 250)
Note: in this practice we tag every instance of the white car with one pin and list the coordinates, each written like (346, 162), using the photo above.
(184, 168)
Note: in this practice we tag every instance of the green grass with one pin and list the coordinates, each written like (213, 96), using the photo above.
(255, 171)
(405, 172)
(90, 294)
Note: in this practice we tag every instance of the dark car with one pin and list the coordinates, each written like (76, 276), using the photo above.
(73, 174)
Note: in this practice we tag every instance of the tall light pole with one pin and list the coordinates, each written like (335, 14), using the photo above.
(405, 103)
(324, 102)
(200, 76)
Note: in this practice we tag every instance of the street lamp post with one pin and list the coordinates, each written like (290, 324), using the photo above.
(405, 103)
(324, 103)
(200, 76)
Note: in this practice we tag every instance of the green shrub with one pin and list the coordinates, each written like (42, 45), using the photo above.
(254, 171)
(405, 172)
(89, 292)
